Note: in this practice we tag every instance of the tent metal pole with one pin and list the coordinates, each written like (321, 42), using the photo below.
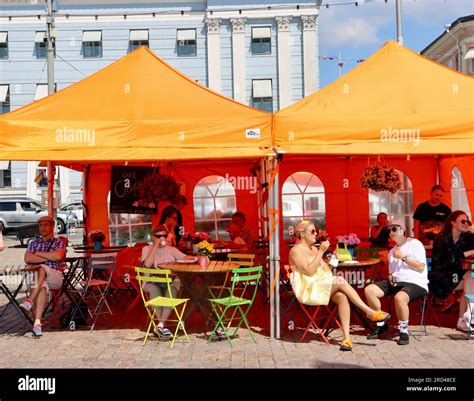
(272, 262)
(51, 173)
(276, 235)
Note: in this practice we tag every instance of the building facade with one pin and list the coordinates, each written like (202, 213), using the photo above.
(454, 48)
(263, 54)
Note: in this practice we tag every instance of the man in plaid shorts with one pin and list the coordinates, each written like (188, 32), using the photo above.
(49, 253)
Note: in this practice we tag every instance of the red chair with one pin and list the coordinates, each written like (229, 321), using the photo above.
(318, 317)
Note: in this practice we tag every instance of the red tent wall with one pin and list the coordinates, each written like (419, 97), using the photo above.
(98, 188)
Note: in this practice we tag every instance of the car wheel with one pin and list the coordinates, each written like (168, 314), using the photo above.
(60, 226)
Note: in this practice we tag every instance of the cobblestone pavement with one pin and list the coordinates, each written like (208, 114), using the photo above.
(117, 343)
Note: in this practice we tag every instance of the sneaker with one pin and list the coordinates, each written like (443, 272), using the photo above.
(462, 325)
(163, 331)
(26, 305)
(37, 330)
(377, 331)
(404, 339)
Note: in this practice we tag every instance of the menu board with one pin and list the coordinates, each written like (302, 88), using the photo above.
(124, 189)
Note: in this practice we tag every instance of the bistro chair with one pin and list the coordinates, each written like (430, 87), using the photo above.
(470, 305)
(244, 260)
(147, 275)
(236, 302)
(96, 286)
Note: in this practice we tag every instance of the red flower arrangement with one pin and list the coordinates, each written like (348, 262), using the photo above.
(381, 178)
(159, 188)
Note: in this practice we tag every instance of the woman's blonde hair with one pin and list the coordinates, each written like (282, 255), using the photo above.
(301, 227)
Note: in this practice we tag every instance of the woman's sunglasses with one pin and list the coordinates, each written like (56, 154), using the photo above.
(314, 232)
(394, 229)
(468, 222)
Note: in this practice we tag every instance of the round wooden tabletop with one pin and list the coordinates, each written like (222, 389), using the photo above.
(362, 262)
(214, 267)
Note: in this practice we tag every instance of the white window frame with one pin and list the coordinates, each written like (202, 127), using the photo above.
(92, 39)
(186, 37)
(407, 216)
(301, 193)
(212, 197)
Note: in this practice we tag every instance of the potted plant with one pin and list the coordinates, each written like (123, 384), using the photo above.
(198, 237)
(381, 178)
(204, 252)
(350, 241)
(97, 237)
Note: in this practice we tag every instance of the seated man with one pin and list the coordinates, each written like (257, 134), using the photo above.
(49, 252)
(152, 256)
(238, 218)
(236, 240)
(408, 280)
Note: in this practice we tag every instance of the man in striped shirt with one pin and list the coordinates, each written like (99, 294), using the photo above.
(49, 253)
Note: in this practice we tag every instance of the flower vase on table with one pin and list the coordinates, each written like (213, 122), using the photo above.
(352, 251)
(204, 252)
(203, 261)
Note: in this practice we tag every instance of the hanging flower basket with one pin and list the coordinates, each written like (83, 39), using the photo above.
(381, 178)
(159, 188)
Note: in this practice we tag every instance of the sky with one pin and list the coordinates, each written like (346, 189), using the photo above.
(357, 32)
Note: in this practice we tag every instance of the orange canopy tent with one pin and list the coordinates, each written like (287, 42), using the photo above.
(137, 109)
(396, 102)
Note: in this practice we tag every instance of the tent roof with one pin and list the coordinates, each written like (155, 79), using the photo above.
(396, 102)
(136, 109)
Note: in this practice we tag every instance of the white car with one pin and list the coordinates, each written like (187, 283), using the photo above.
(77, 208)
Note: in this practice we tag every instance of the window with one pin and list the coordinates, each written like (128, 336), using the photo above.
(138, 38)
(5, 175)
(303, 198)
(186, 42)
(261, 40)
(7, 206)
(458, 192)
(30, 207)
(125, 229)
(92, 44)
(214, 204)
(4, 99)
(398, 206)
(41, 45)
(262, 97)
(3, 45)
(42, 91)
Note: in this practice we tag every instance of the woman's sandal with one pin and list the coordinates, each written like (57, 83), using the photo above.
(380, 316)
(346, 345)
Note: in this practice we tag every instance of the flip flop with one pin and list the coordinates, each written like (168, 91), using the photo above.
(346, 345)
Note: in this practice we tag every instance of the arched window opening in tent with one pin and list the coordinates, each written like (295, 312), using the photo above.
(214, 204)
(458, 192)
(303, 198)
(125, 228)
(398, 206)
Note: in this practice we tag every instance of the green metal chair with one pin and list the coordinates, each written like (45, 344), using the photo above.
(146, 275)
(249, 277)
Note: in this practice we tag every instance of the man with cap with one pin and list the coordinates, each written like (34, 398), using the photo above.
(407, 281)
(49, 253)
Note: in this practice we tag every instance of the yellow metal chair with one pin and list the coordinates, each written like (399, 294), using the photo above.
(161, 276)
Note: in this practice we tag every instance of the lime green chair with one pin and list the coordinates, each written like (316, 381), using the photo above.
(145, 275)
(244, 260)
(236, 305)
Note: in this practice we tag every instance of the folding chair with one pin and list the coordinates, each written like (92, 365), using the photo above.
(249, 277)
(146, 275)
(470, 302)
(244, 260)
(291, 307)
(97, 285)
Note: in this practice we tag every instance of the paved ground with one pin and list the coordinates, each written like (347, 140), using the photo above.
(118, 343)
